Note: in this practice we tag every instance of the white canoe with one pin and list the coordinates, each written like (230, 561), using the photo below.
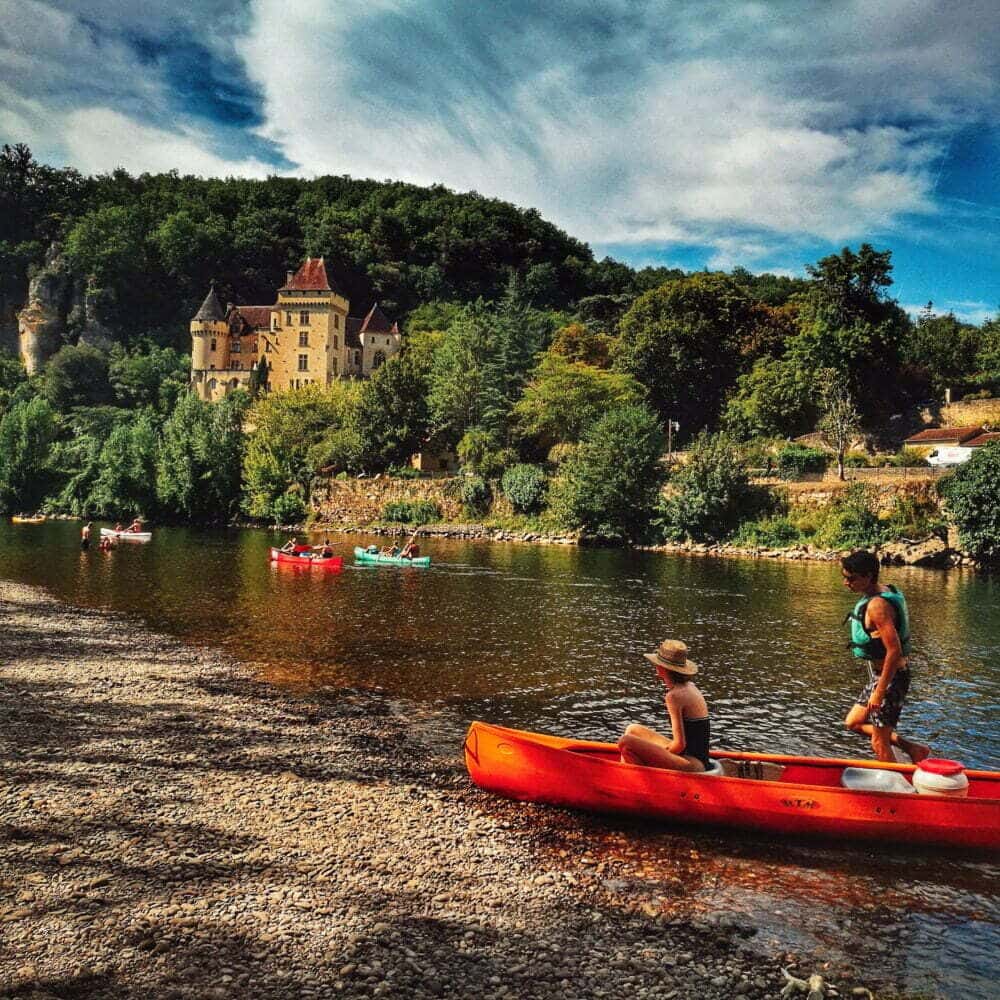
(127, 536)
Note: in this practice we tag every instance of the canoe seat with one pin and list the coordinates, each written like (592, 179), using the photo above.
(758, 770)
(871, 779)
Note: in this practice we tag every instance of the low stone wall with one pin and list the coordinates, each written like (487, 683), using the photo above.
(361, 501)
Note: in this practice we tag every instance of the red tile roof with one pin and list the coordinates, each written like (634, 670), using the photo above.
(256, 317)
(311, 277)
(376, 321)
(978, 442)
(941, 435)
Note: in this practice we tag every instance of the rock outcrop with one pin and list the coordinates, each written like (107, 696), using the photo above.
(926, 552)
(61, 309)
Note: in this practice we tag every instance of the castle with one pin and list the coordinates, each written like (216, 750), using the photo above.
(305, 337)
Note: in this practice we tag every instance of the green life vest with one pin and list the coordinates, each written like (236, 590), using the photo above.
(862, 644)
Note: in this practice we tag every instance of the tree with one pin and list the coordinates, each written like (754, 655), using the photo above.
(12, 375)
(577, 342)
(126, 482)
(153, 377)
(682, 341)
(972, 494)
(27, 431)
(610, 485)
(840, 420)
(776, 398)
(564, 397)
(77, 376)
(942, 346)
(391, 418)
(711, 493)
(200, 463)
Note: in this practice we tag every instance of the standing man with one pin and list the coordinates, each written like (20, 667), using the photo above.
(880, 634)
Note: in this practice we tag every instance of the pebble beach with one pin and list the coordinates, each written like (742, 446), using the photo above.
(174, 826)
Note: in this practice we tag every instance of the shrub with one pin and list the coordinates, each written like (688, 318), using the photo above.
(973, 497)
(857, 460)
(404, 472)
(288, 508)
(769, 533)
(712, 492)
(412, 511)
(525, 486)
(476, 495)
(795, 460)
(907, 458)
(610, 485)
(851, 521)
(914, 517)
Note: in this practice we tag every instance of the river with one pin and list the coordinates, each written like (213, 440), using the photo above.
(550, 638)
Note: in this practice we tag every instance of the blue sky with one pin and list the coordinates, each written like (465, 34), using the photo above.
(692, 134)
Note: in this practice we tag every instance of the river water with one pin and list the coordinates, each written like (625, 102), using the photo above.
(550, 638)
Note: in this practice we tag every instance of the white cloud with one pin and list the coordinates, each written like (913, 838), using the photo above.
(975, 313)
(97, 140)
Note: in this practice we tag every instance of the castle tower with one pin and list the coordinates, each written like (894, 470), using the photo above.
(209, 342)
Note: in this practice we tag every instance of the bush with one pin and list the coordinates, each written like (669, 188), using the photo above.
(914, 517)
(795, 460)
(404, 472)
(610, 485)
(857, 460)
(768, 533)
(973, 497)
(288, 508)
(476, 496)
(851, 521)
(907, 458)
(412, 511)
(712, 492)
(525, 486)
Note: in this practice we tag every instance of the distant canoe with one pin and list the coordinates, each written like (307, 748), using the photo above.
(373, 559)
(34, 519)
(127, 536)
(306, 561)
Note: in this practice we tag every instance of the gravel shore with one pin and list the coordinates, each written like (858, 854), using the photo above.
(173, 827)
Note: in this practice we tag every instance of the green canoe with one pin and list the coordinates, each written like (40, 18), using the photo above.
(372, 559)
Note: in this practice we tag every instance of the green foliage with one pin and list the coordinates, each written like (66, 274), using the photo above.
(683, 343)
(479, 451)
(404, 472)
(199, 466)
(908, 458)
(293, 432)
(288, 508)
(913, 517)
(476, 495)
(851, 521)
(775, 532)
(27, 432)
(564, 397)
(391, 416)
(795, 460)
(775, 398)
(126, 481)
(857, 460)
(77, 376)
(972, 494)
(945, 348)
(710, 494)
(525, 487)
(412, 511)
(150, 376)
(12, 376)
(840, 421)
(609, 486)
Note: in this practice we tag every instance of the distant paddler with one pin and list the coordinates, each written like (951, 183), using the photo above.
(85, 535)
(411, 550)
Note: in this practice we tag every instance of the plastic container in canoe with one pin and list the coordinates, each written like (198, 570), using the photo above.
(127, 536)
(372, 559)
(306, 561)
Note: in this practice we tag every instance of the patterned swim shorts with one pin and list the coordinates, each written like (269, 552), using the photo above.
(892, 705)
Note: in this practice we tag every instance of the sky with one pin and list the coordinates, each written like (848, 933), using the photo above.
(687, 133)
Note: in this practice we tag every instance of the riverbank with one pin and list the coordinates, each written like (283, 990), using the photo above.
(176, 827)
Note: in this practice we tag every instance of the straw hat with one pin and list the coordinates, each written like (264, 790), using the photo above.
(671, 654)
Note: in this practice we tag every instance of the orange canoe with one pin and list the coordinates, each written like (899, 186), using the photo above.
(306, 560)
(770, 792)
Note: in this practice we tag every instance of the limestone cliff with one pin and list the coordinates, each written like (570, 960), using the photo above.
(61, 309)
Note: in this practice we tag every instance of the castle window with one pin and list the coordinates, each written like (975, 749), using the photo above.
(267, 347)
(303, 362)
(212, 383)
(274, 322)
(335, 343)
(336, 322)
(303, 338)
(379, 359)
(236, 348)
(288, 319)
(357, 357)
(334, 366)
(253, 347)
(211, 345)
(303, 319)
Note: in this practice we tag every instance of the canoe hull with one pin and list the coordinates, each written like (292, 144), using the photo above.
(127, 536)
(306, 562)
(369, 559)
(580, 775)
(28, 520)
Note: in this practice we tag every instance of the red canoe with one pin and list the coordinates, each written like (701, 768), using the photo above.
(307, 560)
(770, 792)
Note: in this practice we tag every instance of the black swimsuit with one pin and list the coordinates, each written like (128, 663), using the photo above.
(697, 733)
